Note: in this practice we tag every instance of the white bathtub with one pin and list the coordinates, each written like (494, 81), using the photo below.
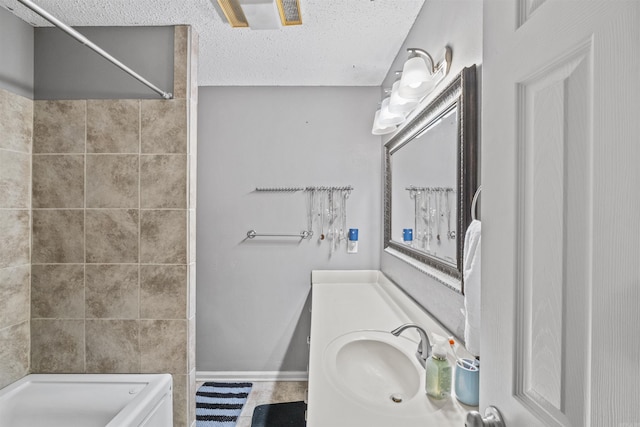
(87, 400)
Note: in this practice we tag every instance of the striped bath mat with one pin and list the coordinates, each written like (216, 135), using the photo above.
(220, 404)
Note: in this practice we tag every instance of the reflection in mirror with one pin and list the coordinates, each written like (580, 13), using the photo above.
(431, 176)
(424, 211)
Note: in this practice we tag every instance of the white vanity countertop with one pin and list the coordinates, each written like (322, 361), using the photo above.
(347, 301)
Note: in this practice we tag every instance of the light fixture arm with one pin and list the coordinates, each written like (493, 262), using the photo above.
(413, 51)
(445, 62)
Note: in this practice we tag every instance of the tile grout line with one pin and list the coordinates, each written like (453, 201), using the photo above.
(140, 234)
(133, 153)
(99, 263)
(33, 107)
(10, 150)
(93, 209)
(84, 229)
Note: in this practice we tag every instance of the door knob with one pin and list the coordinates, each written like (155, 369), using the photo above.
(492, 418)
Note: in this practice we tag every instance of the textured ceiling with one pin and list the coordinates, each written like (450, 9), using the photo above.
(341, 42)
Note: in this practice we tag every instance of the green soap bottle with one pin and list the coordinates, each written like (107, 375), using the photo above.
(438, 381)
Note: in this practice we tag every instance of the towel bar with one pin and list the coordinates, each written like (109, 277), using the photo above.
(304, 234)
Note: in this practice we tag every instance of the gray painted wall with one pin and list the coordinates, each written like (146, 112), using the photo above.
(253, 296)
(65, 69)
(457, 24)
(16, 53)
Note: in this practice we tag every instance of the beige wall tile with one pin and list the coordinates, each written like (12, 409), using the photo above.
(14, 234)
(115, 291)
(58, 181)
(163, 237)
(112, 346)
(163, 291)
(183, 399)
(112, 236)
(164, 126)
(112, 181)
(57, 291)
(16, 122)
(180, 400)
(194, 57)
(15, 176)
(14, 295)
(163, 181)
(57, 346)
(180, 61)
(59, 126)
(163, 346)
(58, 236)
(112, 291)
(14, 353)
(113, 126)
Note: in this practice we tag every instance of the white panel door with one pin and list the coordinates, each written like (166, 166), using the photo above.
(561, 212)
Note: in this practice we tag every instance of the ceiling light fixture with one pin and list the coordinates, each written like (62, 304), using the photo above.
(420, 76)
(261, 14)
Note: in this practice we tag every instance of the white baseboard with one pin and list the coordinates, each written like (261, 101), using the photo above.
(252, 375)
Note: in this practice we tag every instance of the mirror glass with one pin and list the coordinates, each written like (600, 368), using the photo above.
(431, 176)
(424, 210)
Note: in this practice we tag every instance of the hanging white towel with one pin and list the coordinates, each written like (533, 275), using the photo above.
(471, 274)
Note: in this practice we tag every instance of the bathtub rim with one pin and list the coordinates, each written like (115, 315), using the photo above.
(157, 388)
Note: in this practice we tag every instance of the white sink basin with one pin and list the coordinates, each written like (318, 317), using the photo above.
(378, 370)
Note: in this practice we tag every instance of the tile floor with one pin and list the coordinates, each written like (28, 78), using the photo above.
(264, 392)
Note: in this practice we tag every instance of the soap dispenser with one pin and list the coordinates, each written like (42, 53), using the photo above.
(438, 375)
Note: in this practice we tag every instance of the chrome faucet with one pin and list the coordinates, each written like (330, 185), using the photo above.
(424, 347)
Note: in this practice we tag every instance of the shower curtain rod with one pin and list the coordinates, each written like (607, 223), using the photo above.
(85, 41)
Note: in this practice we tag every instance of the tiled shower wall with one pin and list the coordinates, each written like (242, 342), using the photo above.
(112, 266)
(16, 124)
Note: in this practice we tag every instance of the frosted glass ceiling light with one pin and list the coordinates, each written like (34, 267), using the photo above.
(421, 74)
(379, 129)
(387, 118)
(398, 104)
(261, 14)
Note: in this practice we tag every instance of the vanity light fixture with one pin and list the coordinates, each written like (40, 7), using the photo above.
(380, 129)
(398, 104)
(387, 117)
(261, 14)
(385, 121)
(421, 74)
